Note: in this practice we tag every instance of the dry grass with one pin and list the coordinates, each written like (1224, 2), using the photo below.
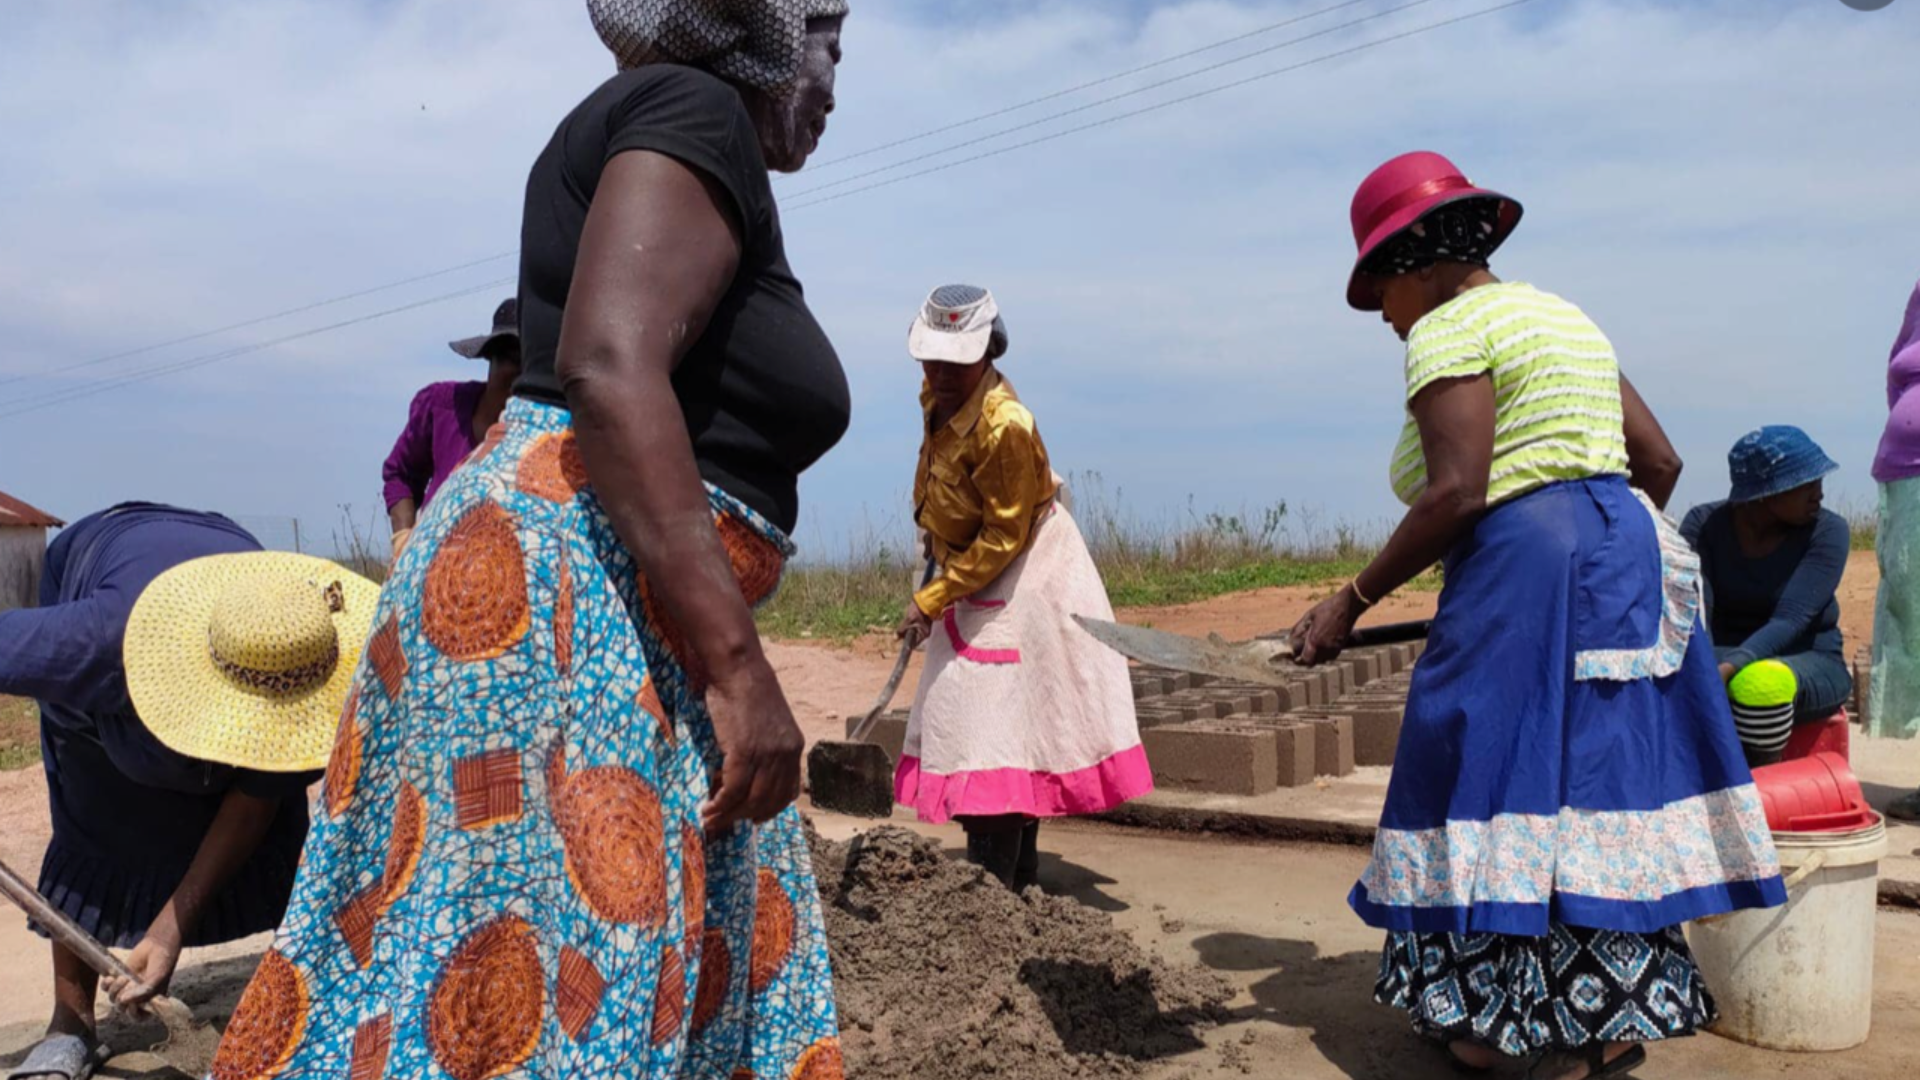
(1145, 563)
(19, 733)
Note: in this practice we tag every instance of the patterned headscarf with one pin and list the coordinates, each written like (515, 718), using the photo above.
(1463, 231)
(755, 42)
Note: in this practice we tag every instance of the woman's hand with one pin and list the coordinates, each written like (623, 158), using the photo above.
(1321, 633)
(1727, 672)
(760, 744)
(400, 538)
(152, 963)
(914, 626)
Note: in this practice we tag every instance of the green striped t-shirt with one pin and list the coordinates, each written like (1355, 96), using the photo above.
(1556, 387)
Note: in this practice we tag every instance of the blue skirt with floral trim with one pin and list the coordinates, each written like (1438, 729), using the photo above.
(1568, 755)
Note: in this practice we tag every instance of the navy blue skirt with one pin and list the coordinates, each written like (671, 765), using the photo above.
(1568, 755)
(122, 843)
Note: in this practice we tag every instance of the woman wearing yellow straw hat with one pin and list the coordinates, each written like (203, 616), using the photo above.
(189, 688)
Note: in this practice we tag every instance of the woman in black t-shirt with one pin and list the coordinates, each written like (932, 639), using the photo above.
(561, 795)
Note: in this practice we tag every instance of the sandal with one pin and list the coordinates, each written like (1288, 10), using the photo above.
(1905, 808)
(60, 1057)
(1594, 1057)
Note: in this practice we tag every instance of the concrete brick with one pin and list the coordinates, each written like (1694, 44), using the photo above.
(1230, 702)
(1366, 667)
(889, 732)
(1223, 758)
(1153, 715)
(1332, 743)
(1309, 693)
(1148, 686)
(1400, 658)
(1294, 749)
(1284, 699)
(1333, 682)
(1376, 730)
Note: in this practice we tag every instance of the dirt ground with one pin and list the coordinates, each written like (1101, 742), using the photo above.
(1269, 918)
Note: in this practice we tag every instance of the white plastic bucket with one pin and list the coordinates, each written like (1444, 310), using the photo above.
(1800, 976)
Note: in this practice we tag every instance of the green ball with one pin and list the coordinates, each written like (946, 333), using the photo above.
(1764, 684)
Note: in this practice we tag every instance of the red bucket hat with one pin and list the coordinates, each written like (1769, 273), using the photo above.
(1396, 195)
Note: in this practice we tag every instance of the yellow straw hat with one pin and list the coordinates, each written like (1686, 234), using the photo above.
(246, 659)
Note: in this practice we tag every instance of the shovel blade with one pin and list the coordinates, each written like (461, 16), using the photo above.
(852, 778)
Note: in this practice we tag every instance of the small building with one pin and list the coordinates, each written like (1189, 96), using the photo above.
(23, 551)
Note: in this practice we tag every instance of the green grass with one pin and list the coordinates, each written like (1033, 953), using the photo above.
(19, 734)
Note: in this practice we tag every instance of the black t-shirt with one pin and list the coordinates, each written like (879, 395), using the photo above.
(762, 389)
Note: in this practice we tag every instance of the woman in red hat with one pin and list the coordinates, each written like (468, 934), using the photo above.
(1569, 788)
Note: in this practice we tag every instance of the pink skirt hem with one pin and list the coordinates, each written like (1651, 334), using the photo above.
(937, 797)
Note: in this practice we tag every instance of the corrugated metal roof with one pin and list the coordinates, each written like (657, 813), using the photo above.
(13, 512)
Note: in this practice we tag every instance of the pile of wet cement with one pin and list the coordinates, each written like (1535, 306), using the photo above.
(941, 973)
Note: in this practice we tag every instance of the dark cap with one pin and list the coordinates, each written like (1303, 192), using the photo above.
(506, 324)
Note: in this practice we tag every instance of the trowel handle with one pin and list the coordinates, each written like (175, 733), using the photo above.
(63, 930)
(1389, 633)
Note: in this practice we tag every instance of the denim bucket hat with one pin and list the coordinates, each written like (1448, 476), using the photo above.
(1775, 460)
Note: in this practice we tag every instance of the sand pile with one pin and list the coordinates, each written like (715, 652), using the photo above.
(943, 974)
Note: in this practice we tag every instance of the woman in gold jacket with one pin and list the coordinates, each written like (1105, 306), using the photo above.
(1020, 714)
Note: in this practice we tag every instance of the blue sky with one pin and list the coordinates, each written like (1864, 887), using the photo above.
(1726, 187)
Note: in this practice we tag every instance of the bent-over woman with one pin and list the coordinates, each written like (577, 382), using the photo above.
(558, 838)
(188, 685)
(1021, 715)
(1568, 788)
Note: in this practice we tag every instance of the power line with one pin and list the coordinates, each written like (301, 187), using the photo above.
(1091, 105)
(1162, 62)
(1090, 84)
(1157, 106)
(831, 163)
(74, 393)
(257, 320)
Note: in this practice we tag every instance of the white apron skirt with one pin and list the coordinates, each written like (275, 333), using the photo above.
(1020, 711)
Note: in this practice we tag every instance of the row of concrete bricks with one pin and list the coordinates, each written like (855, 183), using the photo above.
(1308, 687)
(1252, 755)
(1248, 755)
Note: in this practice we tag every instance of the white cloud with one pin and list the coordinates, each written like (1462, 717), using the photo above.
(1727, 187)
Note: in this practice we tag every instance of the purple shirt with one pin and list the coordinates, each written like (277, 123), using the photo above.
(437, 438)
(1899, 456)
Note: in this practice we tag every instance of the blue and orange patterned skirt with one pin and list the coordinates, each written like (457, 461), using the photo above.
(506, 874)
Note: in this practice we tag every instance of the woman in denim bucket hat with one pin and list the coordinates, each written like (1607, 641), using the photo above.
(1771, 560)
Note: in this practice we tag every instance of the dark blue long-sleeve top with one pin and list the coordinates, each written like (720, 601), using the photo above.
(66, 652)
(1780, 604)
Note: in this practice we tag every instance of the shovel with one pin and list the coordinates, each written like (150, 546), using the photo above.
(189, 1047)
(1247, 661)
(855, 777)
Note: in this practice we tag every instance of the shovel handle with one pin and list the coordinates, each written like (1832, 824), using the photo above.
(859, 733)
(64, 930)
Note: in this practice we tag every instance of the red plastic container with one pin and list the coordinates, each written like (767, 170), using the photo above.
(1813, 794)
(1829, 736)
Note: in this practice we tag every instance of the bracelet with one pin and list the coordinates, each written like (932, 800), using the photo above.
(1355, 586)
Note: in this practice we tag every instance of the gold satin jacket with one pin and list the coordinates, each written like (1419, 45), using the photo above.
(983, 482)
